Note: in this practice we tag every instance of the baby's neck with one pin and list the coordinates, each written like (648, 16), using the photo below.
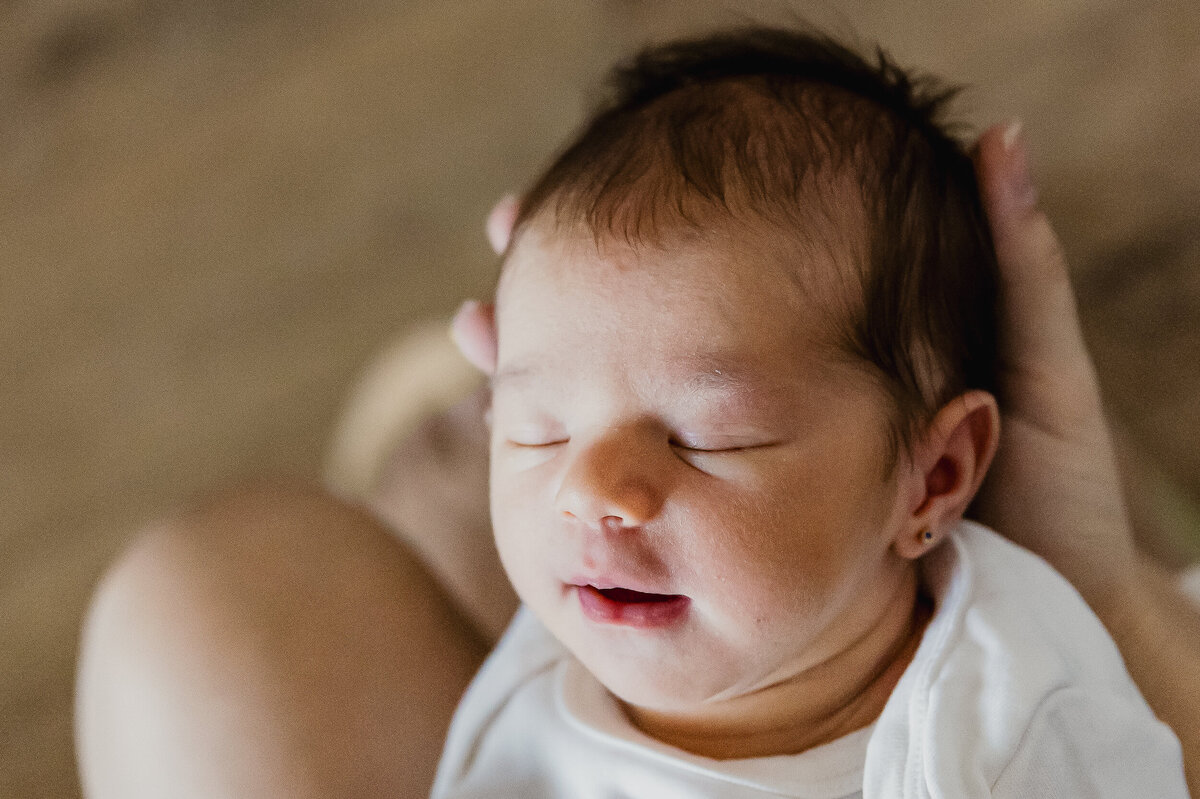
(841, 694)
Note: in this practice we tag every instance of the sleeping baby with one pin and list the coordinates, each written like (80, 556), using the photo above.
(744, 394)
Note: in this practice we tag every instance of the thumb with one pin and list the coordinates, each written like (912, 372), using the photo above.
(500, 222)
(1039, 320)
(474, 331)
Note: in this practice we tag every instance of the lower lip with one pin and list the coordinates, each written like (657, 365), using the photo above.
(645, 615)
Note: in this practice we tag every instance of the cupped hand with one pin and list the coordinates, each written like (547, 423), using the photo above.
(1054, 487)
(474, 326)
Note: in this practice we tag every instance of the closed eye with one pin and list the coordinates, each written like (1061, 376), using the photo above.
(708, 449)
(537, 444)
(719, 447)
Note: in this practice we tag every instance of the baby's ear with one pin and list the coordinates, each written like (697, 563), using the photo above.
(949, 463)
(474, 331)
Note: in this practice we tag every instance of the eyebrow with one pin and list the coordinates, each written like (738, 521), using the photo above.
(722, 373)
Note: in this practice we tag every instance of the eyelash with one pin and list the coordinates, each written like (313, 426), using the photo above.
(673, 443)
(712, 450)
(542, 445)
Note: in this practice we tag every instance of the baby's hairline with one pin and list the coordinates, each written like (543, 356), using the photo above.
(766, 121)
(752, 228)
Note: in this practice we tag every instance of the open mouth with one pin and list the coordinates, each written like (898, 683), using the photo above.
(629, 595)
(626, 607)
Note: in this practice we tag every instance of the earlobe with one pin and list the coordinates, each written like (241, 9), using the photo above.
(912, 545)
(951, 461)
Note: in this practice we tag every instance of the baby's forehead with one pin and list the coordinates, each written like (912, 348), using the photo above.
(727, 305)
(816, 266)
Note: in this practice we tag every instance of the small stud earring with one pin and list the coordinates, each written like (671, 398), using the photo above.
(928, 536)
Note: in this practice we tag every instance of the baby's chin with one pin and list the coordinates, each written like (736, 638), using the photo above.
(675, 685)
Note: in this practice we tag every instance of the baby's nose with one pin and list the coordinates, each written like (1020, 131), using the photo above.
(610, 487)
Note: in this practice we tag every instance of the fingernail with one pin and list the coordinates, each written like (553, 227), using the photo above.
(1020, 183)
(1011, 132)
(467, 307)
(500, 221)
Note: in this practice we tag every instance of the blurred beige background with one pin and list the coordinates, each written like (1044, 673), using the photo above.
(211, 213)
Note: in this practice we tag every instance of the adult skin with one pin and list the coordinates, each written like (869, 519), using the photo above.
(1055, 487)
(278, 642)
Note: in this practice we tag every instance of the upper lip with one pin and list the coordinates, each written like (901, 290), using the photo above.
(604, 582)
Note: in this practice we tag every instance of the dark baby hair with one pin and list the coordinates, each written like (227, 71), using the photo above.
(774, 126)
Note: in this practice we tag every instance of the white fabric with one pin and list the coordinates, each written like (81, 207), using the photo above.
(1015, 691)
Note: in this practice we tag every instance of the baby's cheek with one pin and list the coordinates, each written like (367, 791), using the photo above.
(519, 558)
(513, 486)
(509, 522)
(779, 564)
(523, 503)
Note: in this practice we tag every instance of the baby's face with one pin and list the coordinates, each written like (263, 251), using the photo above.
(686, 491)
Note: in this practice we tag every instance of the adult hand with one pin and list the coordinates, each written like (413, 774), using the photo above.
(474, 326)
(1054, 486)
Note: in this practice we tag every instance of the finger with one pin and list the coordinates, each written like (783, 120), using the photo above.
(1040, 322)
(474, 331)
(500, 222)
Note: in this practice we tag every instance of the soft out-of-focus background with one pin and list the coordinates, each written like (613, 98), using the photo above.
(211, 213)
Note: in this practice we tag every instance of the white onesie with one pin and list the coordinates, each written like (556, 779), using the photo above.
(1015, 691)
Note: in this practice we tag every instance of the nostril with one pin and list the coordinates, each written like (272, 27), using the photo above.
(612, 523)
